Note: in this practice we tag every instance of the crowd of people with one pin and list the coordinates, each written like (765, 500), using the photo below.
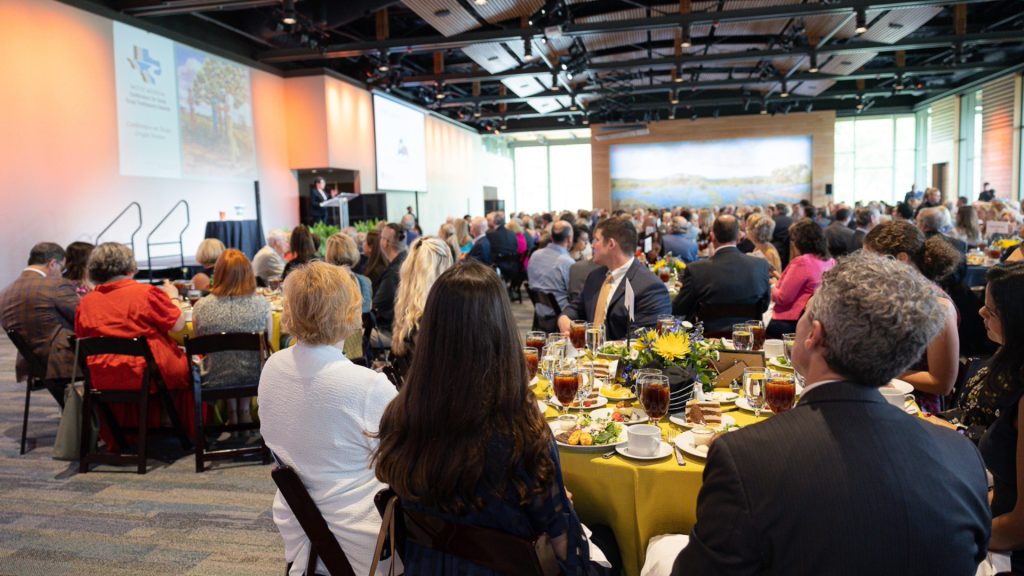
(845, 483)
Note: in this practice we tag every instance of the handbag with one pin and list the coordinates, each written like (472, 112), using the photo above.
(68, 443)
(386, 535)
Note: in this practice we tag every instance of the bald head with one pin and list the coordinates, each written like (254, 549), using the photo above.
(725, 230)
(561, 233)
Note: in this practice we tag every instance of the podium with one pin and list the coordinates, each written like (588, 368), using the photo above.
(341, 203)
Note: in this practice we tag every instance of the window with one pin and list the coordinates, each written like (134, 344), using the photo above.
(874, 158)
(552, 177)
(531, 169)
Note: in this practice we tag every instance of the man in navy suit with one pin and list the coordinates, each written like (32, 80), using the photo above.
(602, 300)
(728, 277)
(481, 249)
(677, 242)
(845, 482)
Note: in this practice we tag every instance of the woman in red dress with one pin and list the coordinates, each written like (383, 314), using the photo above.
(123, 308)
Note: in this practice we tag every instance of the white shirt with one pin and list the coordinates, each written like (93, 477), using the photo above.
(316, 408)
(36, 270)
(617, 275)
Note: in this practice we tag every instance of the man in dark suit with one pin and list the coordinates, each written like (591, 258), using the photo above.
(780, 237)
(392, 246)
(845, 482)
(728, 277)
(602, 300)
(481, 249)
(504, 247)
(838, 234)
(40, 307)
(677, 243)
(317, 195)
(865, 219)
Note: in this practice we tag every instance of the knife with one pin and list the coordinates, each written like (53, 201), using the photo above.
(608, 454)
(679, 456)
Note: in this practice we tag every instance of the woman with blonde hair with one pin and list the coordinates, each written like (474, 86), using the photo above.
(447, 233)
(342, 251)
(428, 258)
(319, 414)
(207, 254)
(462, 235)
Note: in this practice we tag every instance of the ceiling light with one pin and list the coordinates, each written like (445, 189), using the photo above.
(289, 18)
(673, 97)
(565, 66)
(574, 107)
(476, 113)
(554, 81)
(685, 43)
(814, 63)
(764, 109)
(440, 95)
(527, 49)
(785, 90)
(568, 75)
(479, 2)
(504, 124)
(586, 120)
(862, 21)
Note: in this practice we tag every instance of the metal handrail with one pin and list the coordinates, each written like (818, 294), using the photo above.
(138, 211)
(180, 242)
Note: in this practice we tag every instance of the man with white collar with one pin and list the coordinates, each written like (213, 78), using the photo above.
(40, 307)
(602, 300)
(845, 482)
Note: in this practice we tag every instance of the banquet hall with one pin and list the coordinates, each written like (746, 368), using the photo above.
(547, 286)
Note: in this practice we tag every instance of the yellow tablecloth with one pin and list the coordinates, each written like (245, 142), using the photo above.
(638, 499)
(275, 336)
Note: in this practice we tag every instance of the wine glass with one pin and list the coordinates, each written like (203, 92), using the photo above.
(654, 395)
(742, 339)
(577, 334)
(754, 389)
(566, 386)
(637, 374)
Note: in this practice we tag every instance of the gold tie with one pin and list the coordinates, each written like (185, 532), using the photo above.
(602, 301)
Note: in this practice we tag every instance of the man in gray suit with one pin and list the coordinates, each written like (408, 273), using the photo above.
(845, 482)
(839, 235)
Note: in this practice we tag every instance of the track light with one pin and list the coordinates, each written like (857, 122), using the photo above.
(527, 49)
(685, 43)
(440, 94)
(784, 93)
(504, 124)
(899, 85)
(479, 2)
(564, 66)
(384, 65)
(679, 76)
(289, 18)
(476, 113)
(764, 108)
(673, 97)
(814, 63)
(554, 81)
(672, 114)
(862, 21)
(586, 120)
(574, 107)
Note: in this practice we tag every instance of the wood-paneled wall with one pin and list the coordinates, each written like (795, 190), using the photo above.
(819, 125)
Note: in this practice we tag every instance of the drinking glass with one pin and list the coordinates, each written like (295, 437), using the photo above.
(665, 274)
(665, 322)
(594, 338)
(274, 283)
(742, 339)
(780, 391)
(753, 388)
(577, 334)
(756, 328)
(194, 296)
(788, 341)
(532, 359)
(654, 395)
(556, 344)
(536, 339)
(566, 386)
(549, 364)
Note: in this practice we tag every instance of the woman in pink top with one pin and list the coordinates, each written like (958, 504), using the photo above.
(792, 290)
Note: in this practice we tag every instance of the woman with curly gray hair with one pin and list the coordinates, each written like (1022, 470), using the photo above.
(935, 373)
(760, 228)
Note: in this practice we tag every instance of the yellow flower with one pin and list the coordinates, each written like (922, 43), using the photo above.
(672, 346)
(658, 265)
(680, 265)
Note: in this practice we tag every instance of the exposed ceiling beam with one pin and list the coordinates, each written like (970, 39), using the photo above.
(170, 7)
(433, 43)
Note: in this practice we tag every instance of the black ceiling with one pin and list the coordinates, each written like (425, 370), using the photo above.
(617, 60)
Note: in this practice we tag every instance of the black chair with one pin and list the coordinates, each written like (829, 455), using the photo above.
(740, 312)
(252, 342)
(513, 273)
(322, 543)
(36, 380)
(492, 549)
(139, 348)
(544, 323)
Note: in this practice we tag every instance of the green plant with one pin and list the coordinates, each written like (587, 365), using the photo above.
(323, 231)
(366, 226)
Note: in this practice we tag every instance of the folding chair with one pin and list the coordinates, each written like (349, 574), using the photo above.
(139, 348)
(36, 380)
(322, 543)
(251, 342)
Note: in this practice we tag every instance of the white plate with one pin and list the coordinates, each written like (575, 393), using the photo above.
(721, 396)
(903, 387)
(727, 343)
(597, 403)
(742, 404)
(593, 448)
(910, 407)
(664, 449)
(774, 363)
(607, 413)
(542, 406)
(685, 442)
(680, 419)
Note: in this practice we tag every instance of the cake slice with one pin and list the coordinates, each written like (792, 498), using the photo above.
(705, 413)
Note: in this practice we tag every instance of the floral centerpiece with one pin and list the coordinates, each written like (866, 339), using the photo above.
(682, 345)
(670, 262)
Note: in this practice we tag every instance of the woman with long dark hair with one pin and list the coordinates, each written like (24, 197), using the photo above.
(1001, 446)
(375, 261)
(464, 440)
(75, 263)
(303, 248)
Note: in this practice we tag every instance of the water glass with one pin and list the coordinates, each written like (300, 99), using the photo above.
(536, 339)
(754, 380)
(665, 322)
(594, 338)
(742, 339)
(788, 341)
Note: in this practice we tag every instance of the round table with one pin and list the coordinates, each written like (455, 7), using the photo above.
(275, 336)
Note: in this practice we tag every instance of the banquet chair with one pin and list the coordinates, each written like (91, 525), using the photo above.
(322, 543)
(36, 380)
(545, 323)
(255, 342)
(492, 549)
(707, 312)
(139, 348)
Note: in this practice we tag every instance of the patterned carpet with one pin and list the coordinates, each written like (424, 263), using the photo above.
(111, 521)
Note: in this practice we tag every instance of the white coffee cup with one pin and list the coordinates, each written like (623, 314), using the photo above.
(895, 396)
(643, 439)
(702, 436)
(187, 312)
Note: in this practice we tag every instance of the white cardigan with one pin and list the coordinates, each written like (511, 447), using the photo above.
(316, 408)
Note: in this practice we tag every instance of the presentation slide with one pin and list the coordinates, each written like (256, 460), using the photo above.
(399, 134)
(711, 172)
(181, 113)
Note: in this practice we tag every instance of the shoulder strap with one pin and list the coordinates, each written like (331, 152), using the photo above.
(387, 530)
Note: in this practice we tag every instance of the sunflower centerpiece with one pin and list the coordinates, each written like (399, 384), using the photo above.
(668, 267)
(680, 345)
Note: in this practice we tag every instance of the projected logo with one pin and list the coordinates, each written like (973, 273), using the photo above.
(144, 64)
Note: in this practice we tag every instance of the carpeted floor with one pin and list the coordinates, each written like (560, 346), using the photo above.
(111, 521)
